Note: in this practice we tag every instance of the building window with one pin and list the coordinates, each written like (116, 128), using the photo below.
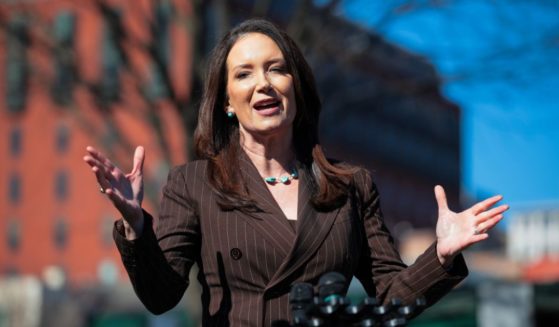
(15, 141)
(62, 138)
(60, 233)
(64, 59)
(111, 57)
(163, 12)
(13, 235)
(61, 185)
(15, 188)
(17, 66)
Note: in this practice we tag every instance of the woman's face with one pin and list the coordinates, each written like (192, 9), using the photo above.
(259, 87)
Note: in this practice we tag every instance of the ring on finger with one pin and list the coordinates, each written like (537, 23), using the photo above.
(102, 190)
(477, 230)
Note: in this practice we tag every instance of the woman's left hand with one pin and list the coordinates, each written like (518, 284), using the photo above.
(457, 231)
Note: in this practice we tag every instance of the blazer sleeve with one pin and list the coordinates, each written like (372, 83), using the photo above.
(159, 261)
(381, 269)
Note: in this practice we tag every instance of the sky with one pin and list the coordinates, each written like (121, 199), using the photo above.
(500, 64)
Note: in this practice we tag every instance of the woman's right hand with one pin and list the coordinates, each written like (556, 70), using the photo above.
(126, 191)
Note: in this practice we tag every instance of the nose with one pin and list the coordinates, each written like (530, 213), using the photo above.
(263, 82)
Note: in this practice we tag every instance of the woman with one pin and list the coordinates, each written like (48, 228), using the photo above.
(264, 208)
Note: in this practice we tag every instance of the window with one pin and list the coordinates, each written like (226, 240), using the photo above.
(64, 58)
(111, 58)
(13, 235)
(15, 188)
(17, 66)
(60, 233)
(61, 185)
(163, 12)
(62, 138)
(15, 142)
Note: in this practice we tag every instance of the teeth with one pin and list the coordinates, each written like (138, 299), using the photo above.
(266, 104)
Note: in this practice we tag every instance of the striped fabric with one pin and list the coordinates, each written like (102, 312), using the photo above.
(248, 262)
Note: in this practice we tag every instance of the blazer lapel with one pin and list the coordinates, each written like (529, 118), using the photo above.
(312, 229)
(270, 221)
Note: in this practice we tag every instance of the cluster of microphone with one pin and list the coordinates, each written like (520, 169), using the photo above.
(330, 307)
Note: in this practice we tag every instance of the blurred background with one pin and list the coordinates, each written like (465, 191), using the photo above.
(422, 92)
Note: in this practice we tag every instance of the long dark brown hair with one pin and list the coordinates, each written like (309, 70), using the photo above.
(217, 137)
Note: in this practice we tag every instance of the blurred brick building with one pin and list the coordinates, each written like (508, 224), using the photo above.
(79, 73)
(66, 83)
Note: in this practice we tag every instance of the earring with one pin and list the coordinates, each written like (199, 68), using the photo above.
(230, 114)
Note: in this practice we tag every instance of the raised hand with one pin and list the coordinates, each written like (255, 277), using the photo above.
(457, 231)
(126, 191)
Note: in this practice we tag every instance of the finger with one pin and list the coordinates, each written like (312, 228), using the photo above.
(95, 153)
(440, 195)
(120, 204)
(105, 186)
(139, 156)
(91, 161)
(115, 197)
(473, 239)
(110, 170)
(100, 157)
(103, 182)
(102, 167)
(489, 224)
(479, 237)
(492, 213)
(485, 204)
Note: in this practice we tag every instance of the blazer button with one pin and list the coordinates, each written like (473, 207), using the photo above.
(236, 253)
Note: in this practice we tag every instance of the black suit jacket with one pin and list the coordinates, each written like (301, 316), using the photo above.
(248, 262)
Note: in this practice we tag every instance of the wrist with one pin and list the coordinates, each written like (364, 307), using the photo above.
(133, 227)
(445, 260)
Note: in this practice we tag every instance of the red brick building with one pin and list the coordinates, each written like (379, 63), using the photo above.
(65, 86)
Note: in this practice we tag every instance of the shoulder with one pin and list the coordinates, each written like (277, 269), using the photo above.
(190, 172)
(361, 177)
(361, 182)
(195, 167)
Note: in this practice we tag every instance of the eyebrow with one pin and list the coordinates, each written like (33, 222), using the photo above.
(269, 62)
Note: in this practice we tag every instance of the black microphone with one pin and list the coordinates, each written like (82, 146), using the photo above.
(331, 300)
(331, 286)
(300, 298)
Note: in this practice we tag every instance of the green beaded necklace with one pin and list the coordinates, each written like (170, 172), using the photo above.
(283, 179)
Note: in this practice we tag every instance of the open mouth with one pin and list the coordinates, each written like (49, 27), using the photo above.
(267, 104)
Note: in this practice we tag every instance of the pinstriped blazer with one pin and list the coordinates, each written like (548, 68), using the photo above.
(249, 261)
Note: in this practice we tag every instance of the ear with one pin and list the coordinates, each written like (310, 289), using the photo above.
(227, 105)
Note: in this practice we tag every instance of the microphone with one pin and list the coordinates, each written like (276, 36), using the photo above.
(331, 286)
(300, 298)
(331, 289)
(330, 307)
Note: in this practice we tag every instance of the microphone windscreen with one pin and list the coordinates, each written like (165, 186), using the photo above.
(301, 294)
(332, 283)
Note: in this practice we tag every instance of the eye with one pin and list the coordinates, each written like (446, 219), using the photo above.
(241, 74)
(278, 69)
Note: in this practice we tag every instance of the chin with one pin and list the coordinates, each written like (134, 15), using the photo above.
(272, 128)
